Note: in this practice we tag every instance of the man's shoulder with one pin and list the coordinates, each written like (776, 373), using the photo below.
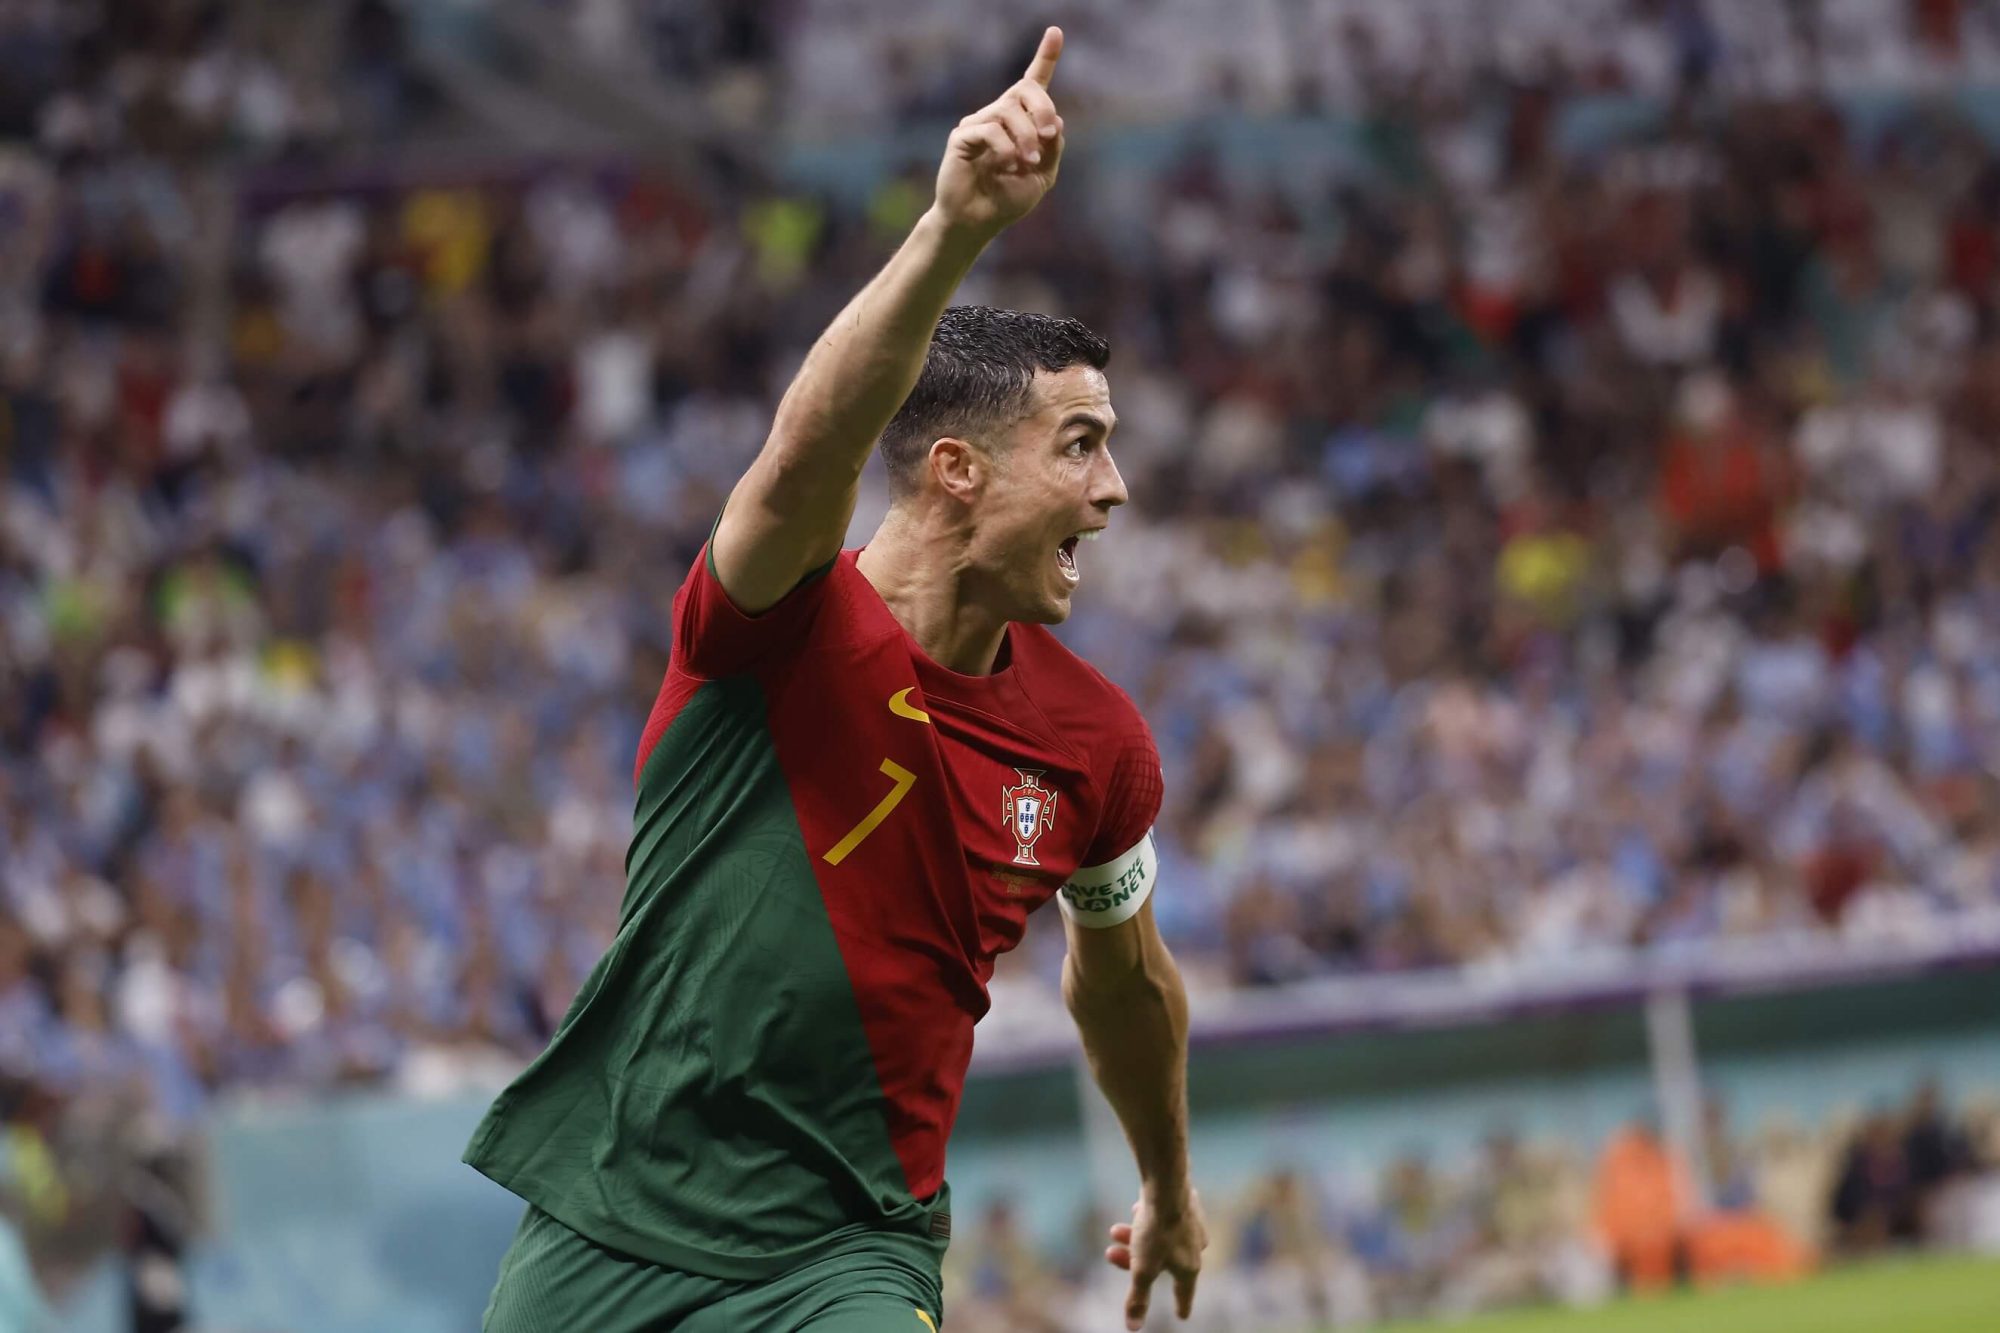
(1089, 710)
(850, 606)
(1071, 692)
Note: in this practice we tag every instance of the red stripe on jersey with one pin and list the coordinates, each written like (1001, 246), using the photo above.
(898, 902)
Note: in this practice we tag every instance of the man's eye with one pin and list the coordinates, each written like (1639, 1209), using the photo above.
(1076, 445)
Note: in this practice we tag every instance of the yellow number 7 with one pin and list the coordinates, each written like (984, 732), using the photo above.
(903, 778)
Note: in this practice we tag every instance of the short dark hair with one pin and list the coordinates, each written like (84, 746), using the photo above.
(977, 374)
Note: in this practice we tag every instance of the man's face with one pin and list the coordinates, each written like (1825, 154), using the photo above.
(1052, 488)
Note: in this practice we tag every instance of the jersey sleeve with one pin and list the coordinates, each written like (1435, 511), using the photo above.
(714, 638)
(1120, 866)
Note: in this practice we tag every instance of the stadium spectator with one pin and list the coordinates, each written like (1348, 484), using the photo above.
(1533, 1245)
(1004, 1276)
(1874, 1203)
(1642, 1208)
(1937, 1151)
(1735, 1237)
(1285, 1269)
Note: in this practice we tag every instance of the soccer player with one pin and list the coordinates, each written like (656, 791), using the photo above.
(864, 769)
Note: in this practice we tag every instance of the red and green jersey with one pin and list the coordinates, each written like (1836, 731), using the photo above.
(834, 839)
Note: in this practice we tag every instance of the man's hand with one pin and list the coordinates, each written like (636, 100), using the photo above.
(1003, 157)
(1159, 1240)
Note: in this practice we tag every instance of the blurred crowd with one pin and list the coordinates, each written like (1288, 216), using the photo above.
(820, 67)
(1541, 545)
(1524, 1222)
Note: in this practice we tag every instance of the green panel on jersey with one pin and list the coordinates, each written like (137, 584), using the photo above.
(709, 1102)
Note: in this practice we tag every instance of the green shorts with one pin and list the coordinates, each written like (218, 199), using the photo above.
(553, 1280)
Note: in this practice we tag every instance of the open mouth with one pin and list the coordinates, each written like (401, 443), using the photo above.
(1066, 552)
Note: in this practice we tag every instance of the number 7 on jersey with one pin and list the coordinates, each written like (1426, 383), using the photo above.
(904, 779)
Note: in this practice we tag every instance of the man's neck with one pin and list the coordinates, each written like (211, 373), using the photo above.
(921, 575)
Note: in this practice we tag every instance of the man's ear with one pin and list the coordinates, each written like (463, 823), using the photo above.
(960, 467)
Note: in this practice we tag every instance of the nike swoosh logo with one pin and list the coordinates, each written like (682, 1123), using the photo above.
(921, 1314)
(900, 705)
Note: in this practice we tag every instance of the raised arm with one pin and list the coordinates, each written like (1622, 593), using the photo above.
(1126, 995)
(789, 512)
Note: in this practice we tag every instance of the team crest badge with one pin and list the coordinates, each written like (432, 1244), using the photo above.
(1029, 810)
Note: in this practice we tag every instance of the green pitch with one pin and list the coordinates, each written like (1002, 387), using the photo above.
(1897, 1296)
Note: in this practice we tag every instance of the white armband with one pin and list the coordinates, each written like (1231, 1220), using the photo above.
(1099, 896)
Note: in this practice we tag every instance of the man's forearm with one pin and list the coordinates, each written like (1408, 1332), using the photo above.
(1134, 1022)
(868, 359)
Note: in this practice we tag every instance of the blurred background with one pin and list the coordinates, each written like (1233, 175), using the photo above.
(1563, 577)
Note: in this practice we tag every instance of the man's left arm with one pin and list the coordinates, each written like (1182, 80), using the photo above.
(1123, 989)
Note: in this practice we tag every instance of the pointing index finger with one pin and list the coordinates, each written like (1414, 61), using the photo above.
(1043, 67)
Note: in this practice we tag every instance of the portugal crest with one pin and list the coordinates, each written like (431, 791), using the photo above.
(1029, 810)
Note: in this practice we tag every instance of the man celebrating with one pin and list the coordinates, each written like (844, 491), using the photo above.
(864, 769)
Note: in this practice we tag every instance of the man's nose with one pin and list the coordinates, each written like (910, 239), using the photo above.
(1107, 486)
